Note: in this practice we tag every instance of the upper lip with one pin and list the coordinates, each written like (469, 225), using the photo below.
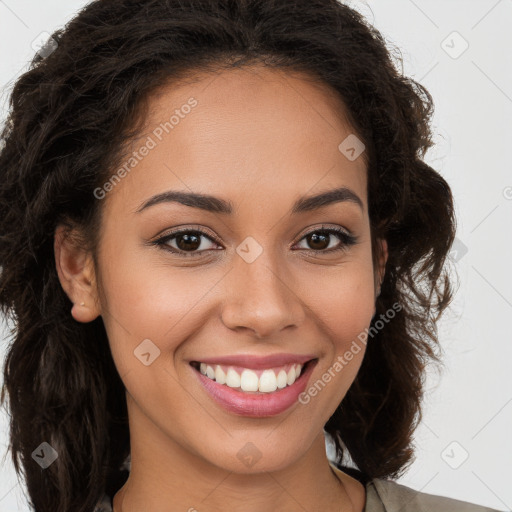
(258, 362)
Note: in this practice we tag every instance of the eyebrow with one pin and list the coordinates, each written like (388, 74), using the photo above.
(217, 205)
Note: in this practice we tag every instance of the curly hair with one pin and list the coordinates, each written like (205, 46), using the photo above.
(70, 117)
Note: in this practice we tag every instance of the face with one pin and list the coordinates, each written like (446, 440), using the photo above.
(249, 284)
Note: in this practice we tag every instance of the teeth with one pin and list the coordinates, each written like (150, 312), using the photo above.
(290, 378)
(248, 380)
(232, 379)
(268, 382)
(210, 372)
(281, 379)
(220, 376)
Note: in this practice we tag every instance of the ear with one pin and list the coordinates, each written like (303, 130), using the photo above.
(76, 274)
(381, 266)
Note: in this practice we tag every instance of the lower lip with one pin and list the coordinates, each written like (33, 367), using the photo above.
(256, 405)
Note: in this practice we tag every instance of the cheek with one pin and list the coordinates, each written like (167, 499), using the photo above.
(343, 308)
(344, 303)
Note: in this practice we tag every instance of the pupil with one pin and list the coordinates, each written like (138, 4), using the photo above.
(315, 237)
(188, 239)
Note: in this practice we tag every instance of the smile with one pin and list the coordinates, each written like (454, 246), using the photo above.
(269, 387)
(245, 379)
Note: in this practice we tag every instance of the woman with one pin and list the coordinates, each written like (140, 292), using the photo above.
(218, 245)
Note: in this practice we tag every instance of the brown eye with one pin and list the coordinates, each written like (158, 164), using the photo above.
(188, 242)
(320, 240)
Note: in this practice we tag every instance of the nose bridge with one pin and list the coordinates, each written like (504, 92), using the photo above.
(258, 296)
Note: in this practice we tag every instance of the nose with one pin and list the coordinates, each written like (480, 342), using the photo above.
(262, 298)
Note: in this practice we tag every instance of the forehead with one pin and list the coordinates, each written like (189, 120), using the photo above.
(275, 133)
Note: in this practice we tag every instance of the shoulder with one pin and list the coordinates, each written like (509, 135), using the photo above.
(395, 497)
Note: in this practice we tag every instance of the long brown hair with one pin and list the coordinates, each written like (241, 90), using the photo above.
(69, 118)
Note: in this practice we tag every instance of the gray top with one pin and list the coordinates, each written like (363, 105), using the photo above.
(387, 496)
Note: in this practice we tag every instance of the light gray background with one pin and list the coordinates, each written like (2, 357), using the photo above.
(468, 408)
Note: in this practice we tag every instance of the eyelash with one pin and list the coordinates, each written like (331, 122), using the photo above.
(347, 241)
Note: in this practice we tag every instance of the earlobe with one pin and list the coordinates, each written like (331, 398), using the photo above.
(83, 313)
(76, 274)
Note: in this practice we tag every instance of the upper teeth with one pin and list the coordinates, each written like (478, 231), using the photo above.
(248, 380)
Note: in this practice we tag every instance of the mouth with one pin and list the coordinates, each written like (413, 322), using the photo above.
(255, 381)
(254, 392)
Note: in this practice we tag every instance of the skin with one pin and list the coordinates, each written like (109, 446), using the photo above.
(259, 138)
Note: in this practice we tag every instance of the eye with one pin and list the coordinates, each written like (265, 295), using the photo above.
(188, 242)
(320, 240)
